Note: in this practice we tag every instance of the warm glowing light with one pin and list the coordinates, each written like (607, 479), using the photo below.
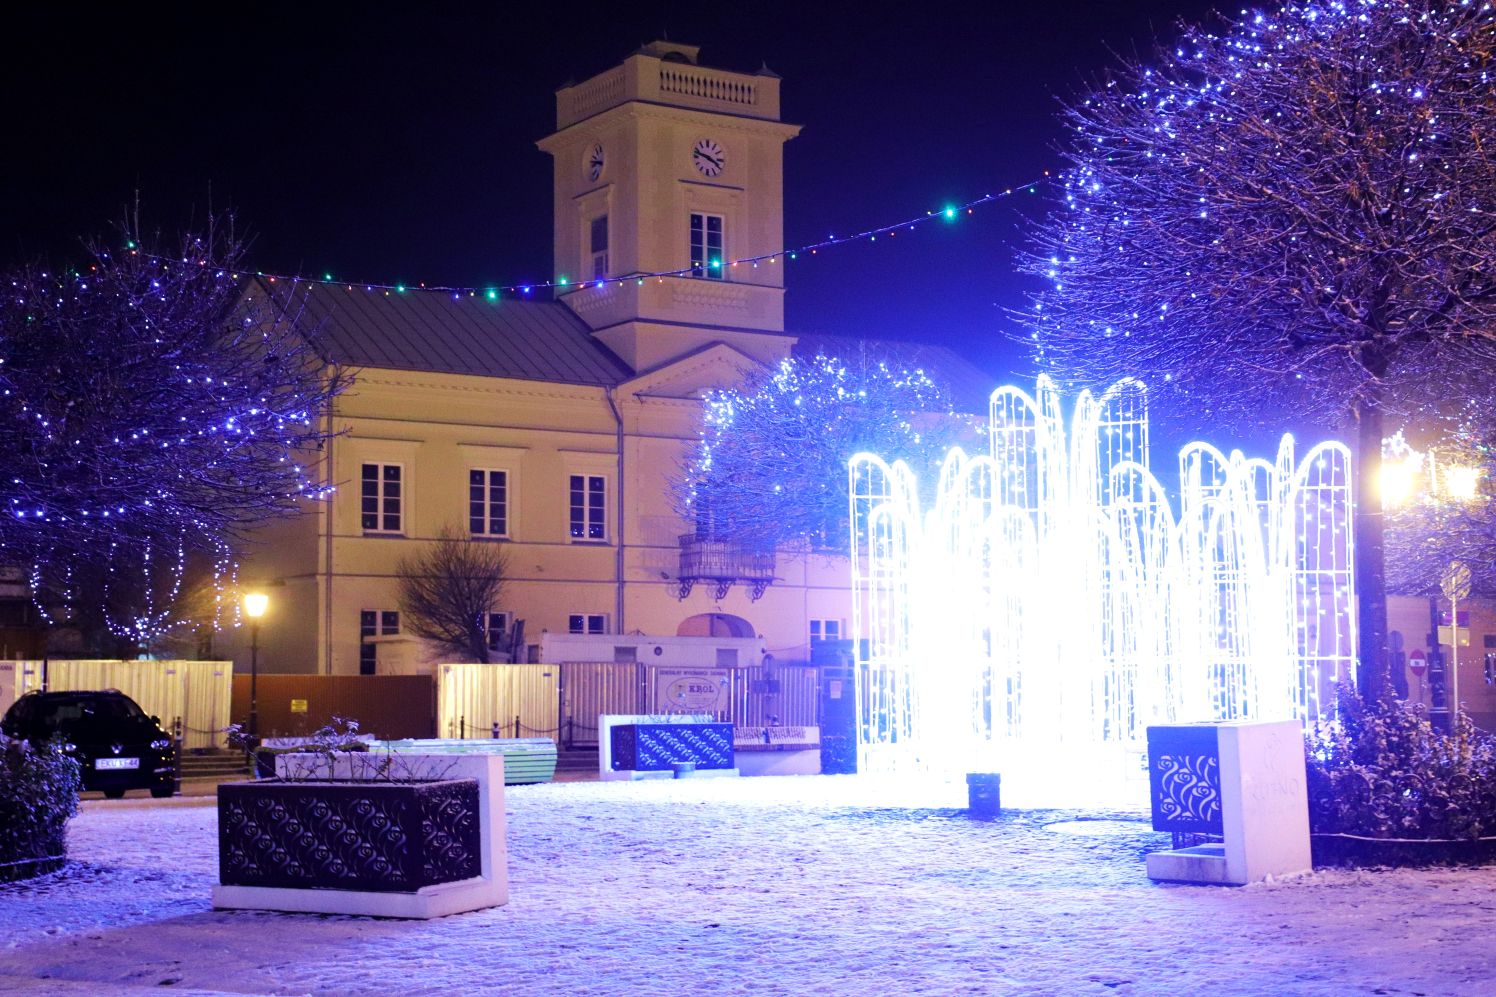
(1462, 483)
(1399, 478)
(1050, 603)
(255, 604)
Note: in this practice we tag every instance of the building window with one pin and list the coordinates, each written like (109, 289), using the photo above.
(498, 630)
(589, 503)
(374, 623)
(587, 623)
(599, 244)
(825, 630)
(382, 498)
(488, 503)
(707, 255)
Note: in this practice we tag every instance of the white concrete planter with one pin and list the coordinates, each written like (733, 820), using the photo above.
(407, 848)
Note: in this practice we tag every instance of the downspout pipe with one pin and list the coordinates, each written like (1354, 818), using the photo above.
(328, 417)
(610, 394)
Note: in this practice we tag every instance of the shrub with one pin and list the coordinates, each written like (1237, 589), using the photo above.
(38, 794)
(1382, 771)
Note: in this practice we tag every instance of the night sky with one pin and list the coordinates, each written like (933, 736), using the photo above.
(385, 142)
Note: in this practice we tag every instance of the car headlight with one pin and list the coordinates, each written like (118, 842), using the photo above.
(161, 744)
(69, 747)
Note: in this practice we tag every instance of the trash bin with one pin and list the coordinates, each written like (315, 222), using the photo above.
(984, 793)
(683, 770)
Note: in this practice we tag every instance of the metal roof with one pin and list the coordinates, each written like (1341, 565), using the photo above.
(437, 332)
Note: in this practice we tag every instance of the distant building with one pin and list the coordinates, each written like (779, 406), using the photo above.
(554, 427)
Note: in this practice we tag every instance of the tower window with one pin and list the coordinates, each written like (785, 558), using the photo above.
(599, 244)
(707, 254)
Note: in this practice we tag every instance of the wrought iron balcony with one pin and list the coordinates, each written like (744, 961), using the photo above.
(720, 564)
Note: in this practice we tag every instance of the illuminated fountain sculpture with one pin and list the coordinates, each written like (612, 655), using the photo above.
(1050, 603)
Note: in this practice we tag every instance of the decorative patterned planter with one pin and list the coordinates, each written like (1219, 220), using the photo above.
(341, 844)
(657, 748)
(383, 837)
(1241, 779)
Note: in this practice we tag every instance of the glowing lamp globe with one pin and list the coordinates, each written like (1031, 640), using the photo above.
(255, 604)
(1398, 480)
(1462, 483)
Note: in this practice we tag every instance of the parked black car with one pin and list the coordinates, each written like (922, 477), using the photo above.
(117, 746)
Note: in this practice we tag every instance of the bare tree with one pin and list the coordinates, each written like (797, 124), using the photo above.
(771, 468)
(448, 591)
(1296, 213)
(146, 396)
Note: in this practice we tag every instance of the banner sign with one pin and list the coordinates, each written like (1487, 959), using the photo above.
(692, 690)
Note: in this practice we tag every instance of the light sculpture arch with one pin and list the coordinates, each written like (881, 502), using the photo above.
(1050, 602)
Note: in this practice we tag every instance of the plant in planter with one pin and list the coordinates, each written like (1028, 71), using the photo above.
(1386, 787)
(342, 735)
(348, 831)
(38, 795)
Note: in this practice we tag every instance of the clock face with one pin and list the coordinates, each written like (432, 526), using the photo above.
(708, 157)
(592, 163)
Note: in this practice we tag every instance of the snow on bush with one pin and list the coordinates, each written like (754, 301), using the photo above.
(38, 794)
(1383, 771)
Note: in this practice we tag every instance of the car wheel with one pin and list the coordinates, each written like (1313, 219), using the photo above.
(114, 794)
(162, 792)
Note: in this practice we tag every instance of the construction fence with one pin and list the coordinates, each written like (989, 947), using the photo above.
(197, 693)
(563, 701)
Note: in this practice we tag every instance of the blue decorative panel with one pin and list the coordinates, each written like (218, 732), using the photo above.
(654, 747)
(1184, 779)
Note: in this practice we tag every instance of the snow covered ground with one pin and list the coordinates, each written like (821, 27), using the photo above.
(812, 885)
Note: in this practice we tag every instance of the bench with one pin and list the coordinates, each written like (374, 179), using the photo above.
(527, 760)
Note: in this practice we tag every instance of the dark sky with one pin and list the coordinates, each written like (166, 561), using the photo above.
(390, 142)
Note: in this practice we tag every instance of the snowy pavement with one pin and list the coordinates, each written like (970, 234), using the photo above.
(811, 885)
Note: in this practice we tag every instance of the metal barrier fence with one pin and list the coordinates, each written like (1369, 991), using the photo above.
(563, 701)
(787, 694)
(592, 688)
(472, 700)
(194, 692)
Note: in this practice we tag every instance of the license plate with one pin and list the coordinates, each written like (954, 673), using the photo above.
(117, 763)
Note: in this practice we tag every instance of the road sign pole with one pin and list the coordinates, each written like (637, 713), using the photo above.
(1456, 585)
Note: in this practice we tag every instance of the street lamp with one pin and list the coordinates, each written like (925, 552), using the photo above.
(255, 604)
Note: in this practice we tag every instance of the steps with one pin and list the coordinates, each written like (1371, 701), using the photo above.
(577, 759)
(219, 764)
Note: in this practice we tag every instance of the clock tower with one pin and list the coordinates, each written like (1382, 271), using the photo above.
(671, 174)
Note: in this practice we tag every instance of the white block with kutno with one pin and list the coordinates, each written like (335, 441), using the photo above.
(1264, 799)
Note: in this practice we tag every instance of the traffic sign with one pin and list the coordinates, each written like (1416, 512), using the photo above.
(1456, 582)
(1417, 663)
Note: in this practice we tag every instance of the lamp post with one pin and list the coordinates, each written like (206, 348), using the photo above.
(255, 604)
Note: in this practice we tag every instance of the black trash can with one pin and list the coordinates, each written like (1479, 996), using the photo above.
(984, 793)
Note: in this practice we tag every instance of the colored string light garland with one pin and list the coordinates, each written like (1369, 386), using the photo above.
(494, 292)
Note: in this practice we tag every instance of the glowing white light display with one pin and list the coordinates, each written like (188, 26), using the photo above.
(1049, 603)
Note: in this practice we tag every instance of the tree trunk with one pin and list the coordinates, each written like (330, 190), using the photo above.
(1370, 566)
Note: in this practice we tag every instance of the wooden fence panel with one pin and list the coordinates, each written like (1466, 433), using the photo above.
(390, 707)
